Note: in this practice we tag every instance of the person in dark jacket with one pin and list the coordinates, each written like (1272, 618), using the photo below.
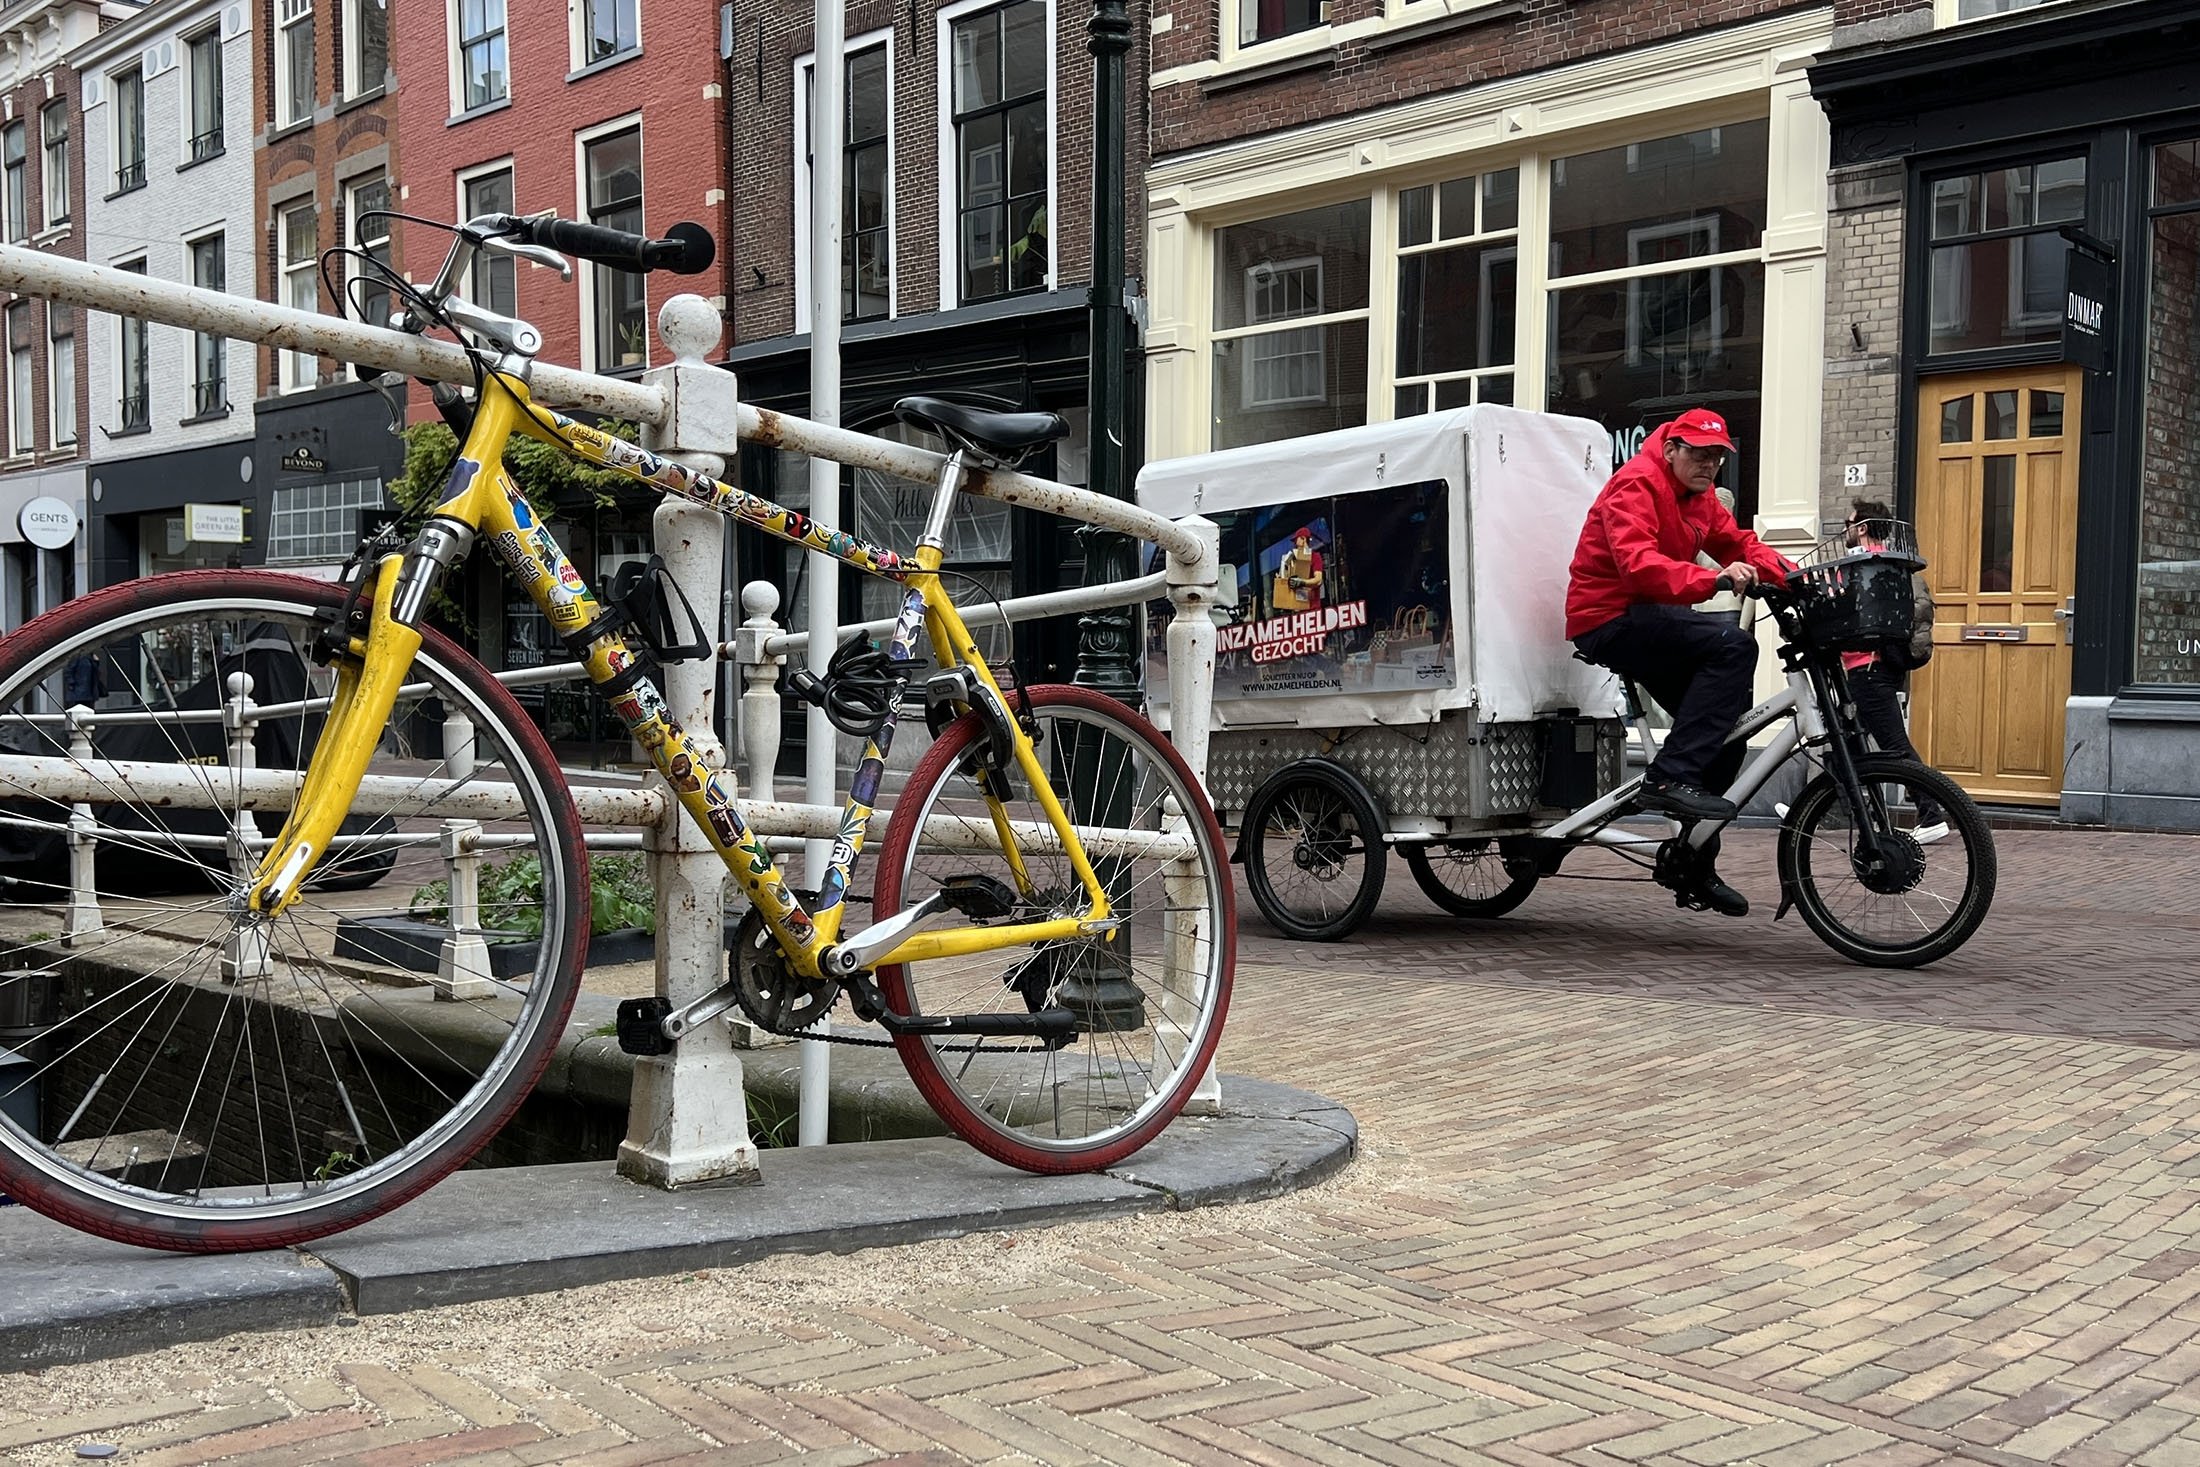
(1635, 579)
(1875, 686)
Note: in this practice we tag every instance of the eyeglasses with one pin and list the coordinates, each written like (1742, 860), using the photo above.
(1711, 456)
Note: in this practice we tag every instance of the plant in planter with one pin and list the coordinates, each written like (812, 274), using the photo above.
(621, 898)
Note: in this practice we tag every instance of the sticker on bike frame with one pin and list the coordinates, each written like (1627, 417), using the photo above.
(863, 788)
(602, 448)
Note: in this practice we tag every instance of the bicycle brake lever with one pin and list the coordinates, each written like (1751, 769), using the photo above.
(535, 253)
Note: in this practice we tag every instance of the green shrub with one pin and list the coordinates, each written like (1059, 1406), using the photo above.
(511, 898)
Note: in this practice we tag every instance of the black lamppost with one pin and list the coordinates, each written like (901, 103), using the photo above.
(1104, 650)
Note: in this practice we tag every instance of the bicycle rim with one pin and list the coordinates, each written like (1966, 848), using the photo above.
(1928, 897)
(1150, 1001)
(190, 1080)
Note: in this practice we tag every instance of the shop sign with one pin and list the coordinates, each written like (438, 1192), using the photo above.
(2088, 282)
(214, 524)
(303, 460)
(47, 522)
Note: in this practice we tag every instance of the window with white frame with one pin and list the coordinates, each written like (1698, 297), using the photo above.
(61, 374)
(209, 352)
(16, 198)
(22, 416)
(604, 29)
(1291, 324)
(366, 206)
(1458, 291)
(293, 62)
(300, 229)
(203, 75)
(482, 74)
(320, 522)
(611, 182)
(1983, 9)
(493, 280)
(1268, 20)
(366, 46)
(54, 121)
(128, 101)
(866, 190)
(133, 367)
(1002, 152)
(1996, 255)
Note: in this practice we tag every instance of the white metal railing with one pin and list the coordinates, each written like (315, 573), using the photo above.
(687, 1118)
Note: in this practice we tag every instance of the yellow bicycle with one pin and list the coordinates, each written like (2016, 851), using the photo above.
(263, 759)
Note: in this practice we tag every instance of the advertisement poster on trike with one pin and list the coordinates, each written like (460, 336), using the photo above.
(1345, 593)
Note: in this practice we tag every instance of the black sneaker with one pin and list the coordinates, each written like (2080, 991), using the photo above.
(1671, 797)
(1718, 897)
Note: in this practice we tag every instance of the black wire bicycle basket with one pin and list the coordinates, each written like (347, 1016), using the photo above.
(1853, 592)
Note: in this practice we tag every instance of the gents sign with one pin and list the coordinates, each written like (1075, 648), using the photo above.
(47, 522)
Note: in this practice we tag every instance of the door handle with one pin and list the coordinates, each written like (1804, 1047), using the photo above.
(2067, 614)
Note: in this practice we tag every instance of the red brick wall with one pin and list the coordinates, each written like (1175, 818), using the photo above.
(761, 98)
(1373, 71)
(683, 161)
(341, 130)
(28, 102)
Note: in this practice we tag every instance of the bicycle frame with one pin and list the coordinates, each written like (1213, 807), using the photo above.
(481, 499)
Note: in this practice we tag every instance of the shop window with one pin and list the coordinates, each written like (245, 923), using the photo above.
(1002, 150)
(319, 522)
(611, 178)
(1995, 273)
(1268, 20)
(1693, 194)
(2167, 634)
(1984, 9)
(493, 279)
(866, 198)
(1458, 292)
(1273, 378)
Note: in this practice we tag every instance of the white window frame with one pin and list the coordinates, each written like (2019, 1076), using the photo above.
(135, 70)
(60, 390)
(353, 269)
(1230, 27)
(124, 325)
(290, 16)
(944, 137)
(221, 344)
(22, 379)
(1704, 228)
(13, 229)
(632, 121)
(297, 371)
(577, 37)
(354, 84)
(452, 12)
(460, 182)
(54, 182)
(804, 65)
(1950, 12)
(190, 89)
(1249, 399)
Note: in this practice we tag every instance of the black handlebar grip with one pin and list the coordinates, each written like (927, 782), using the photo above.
(687, 249)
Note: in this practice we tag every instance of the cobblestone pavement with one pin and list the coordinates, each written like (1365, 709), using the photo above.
(1638, 1187)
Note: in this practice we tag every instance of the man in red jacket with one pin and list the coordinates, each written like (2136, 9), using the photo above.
(1635, 580)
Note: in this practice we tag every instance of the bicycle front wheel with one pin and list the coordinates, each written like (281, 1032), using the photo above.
(189, 1077)
(1149, 998)
(1925, 892)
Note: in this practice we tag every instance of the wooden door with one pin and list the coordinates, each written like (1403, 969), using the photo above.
(1997, 518)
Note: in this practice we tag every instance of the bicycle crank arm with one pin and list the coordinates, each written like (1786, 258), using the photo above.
(877, 940)
(652, 1026)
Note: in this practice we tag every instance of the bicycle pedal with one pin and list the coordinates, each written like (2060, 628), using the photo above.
(641, 1025)
(979, 897)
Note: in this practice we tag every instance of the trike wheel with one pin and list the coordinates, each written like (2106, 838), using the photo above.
(1468, 878)
(1314, 851)
(1927, 893)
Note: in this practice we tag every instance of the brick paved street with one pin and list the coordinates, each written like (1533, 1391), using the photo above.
(1638, 1186)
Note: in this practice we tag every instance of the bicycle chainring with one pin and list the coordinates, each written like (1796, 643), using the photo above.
(769, 991)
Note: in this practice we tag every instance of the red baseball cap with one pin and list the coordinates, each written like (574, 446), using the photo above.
(1701, 427)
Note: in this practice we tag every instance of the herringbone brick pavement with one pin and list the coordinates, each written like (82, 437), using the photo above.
(1638, 1187)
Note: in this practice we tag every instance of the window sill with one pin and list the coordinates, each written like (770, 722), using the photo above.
(594, 67)
(118, 193)
(499, 105)
(1250, 76)
(1444, 25)
(2156, 703)
(138, 431)
(290, 129)
(51, 233)
(208, 417)
(376, 94)
(191, 163)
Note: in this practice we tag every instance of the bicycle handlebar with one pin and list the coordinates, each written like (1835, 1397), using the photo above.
(686, 249)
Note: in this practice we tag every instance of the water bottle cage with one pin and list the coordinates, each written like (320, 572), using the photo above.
(642, 597)
(860, 690)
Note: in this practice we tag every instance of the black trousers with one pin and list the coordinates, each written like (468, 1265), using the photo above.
(1874, 689)
(1700, 668)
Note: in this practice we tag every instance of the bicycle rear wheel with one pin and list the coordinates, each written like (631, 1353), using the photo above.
(1150, 1000)
(199, 1082)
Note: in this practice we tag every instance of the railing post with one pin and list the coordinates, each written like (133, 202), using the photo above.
(84, 915)
(245, 953)
(688, 1119)
(1192, 594)
(760, 733)
(462, 968)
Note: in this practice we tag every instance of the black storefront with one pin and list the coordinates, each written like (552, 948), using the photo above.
(186, 509)
(1026, 353)
(2049, 182)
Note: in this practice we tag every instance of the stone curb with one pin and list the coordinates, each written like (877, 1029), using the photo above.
(489, 1234)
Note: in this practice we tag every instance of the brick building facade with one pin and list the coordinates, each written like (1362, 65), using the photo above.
(1981, 160)
(42, 190)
